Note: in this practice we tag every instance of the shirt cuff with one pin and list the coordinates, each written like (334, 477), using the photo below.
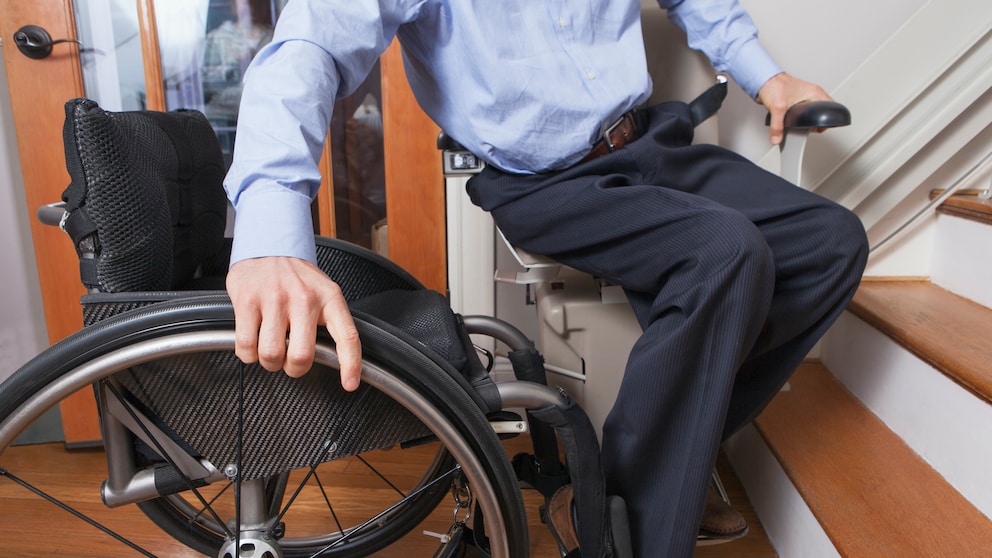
(273, 223)
(752, 67)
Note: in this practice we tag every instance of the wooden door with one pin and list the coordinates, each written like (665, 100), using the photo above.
(414, 180)
(38, 92)
(39, 89)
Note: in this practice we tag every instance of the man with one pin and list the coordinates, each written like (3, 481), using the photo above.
(733, 273)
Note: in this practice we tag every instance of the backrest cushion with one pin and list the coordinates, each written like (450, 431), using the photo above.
(146, 206)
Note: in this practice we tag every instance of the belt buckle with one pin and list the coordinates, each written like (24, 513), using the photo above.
(609, 132)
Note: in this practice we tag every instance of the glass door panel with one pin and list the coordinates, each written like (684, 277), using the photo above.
(206, 46)
(110, 53)
(359, 170)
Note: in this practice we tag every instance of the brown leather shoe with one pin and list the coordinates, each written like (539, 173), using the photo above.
(561, 519)
(721, 523)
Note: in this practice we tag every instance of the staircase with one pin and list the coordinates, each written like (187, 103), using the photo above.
(883, 447)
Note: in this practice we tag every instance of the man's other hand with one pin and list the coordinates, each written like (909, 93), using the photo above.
(275, 297)
(782, 91)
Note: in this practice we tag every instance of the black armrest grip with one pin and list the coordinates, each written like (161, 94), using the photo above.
(447, 143)
(815, 114)
(51, 214)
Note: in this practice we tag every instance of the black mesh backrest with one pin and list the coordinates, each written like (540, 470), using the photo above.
(146, 206)
(359, 271)
(424, 315)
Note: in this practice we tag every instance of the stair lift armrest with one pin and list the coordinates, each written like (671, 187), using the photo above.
(815, 115)
(800, 119)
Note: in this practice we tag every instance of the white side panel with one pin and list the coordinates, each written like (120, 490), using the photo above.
(907, 256)
(471, 256)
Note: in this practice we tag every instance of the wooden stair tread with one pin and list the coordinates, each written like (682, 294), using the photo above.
(873, 496)
(943, 329)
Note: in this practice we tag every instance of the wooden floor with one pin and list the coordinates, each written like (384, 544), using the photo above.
(32, 527)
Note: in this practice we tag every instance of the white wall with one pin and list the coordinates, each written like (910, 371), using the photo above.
(822, 42)
(22, 322)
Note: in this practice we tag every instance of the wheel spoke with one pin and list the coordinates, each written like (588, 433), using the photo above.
(238, 460)
(374, 519)
(328, 446)
(330, 507)
(209, 505)
(28, 486)
(380, 475)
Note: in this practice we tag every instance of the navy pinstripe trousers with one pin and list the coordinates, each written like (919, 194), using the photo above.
(733, 273)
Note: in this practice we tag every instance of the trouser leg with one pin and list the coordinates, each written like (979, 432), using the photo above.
(702, 310)
(728, 268)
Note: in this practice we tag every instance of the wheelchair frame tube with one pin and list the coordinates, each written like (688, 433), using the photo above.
(529, 395)
(499, 330)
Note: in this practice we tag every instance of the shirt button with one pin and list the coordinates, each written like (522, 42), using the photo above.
(591, 74)
(561, 23)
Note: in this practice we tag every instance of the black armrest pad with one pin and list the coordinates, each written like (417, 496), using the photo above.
(448, 143)
(815, 114)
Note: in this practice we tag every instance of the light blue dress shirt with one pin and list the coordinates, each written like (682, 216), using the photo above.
(526, 85)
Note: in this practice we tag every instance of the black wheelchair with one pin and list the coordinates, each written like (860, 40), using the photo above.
(228, 458)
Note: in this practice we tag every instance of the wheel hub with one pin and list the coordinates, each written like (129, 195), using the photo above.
(252, 544)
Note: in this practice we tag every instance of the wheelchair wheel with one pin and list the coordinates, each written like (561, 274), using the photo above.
(164, 381)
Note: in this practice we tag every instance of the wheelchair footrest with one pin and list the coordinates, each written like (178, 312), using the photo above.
(619, 528)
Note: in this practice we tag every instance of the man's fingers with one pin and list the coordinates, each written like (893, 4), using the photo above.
(781, 92)
(349, 348)
(272, 339)
(247, 318)
(776, 128)
(246, 335)
(302, 332)
(275, 298)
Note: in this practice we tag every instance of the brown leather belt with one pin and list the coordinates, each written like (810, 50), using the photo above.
(619, 134)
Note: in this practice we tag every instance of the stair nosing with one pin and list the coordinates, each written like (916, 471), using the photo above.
(965, 357)
(968, 206)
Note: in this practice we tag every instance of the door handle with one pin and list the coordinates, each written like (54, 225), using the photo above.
(35, 42)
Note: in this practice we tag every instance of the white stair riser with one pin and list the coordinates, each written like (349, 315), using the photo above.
(791, 526)
(960, 261)
(948, 426)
